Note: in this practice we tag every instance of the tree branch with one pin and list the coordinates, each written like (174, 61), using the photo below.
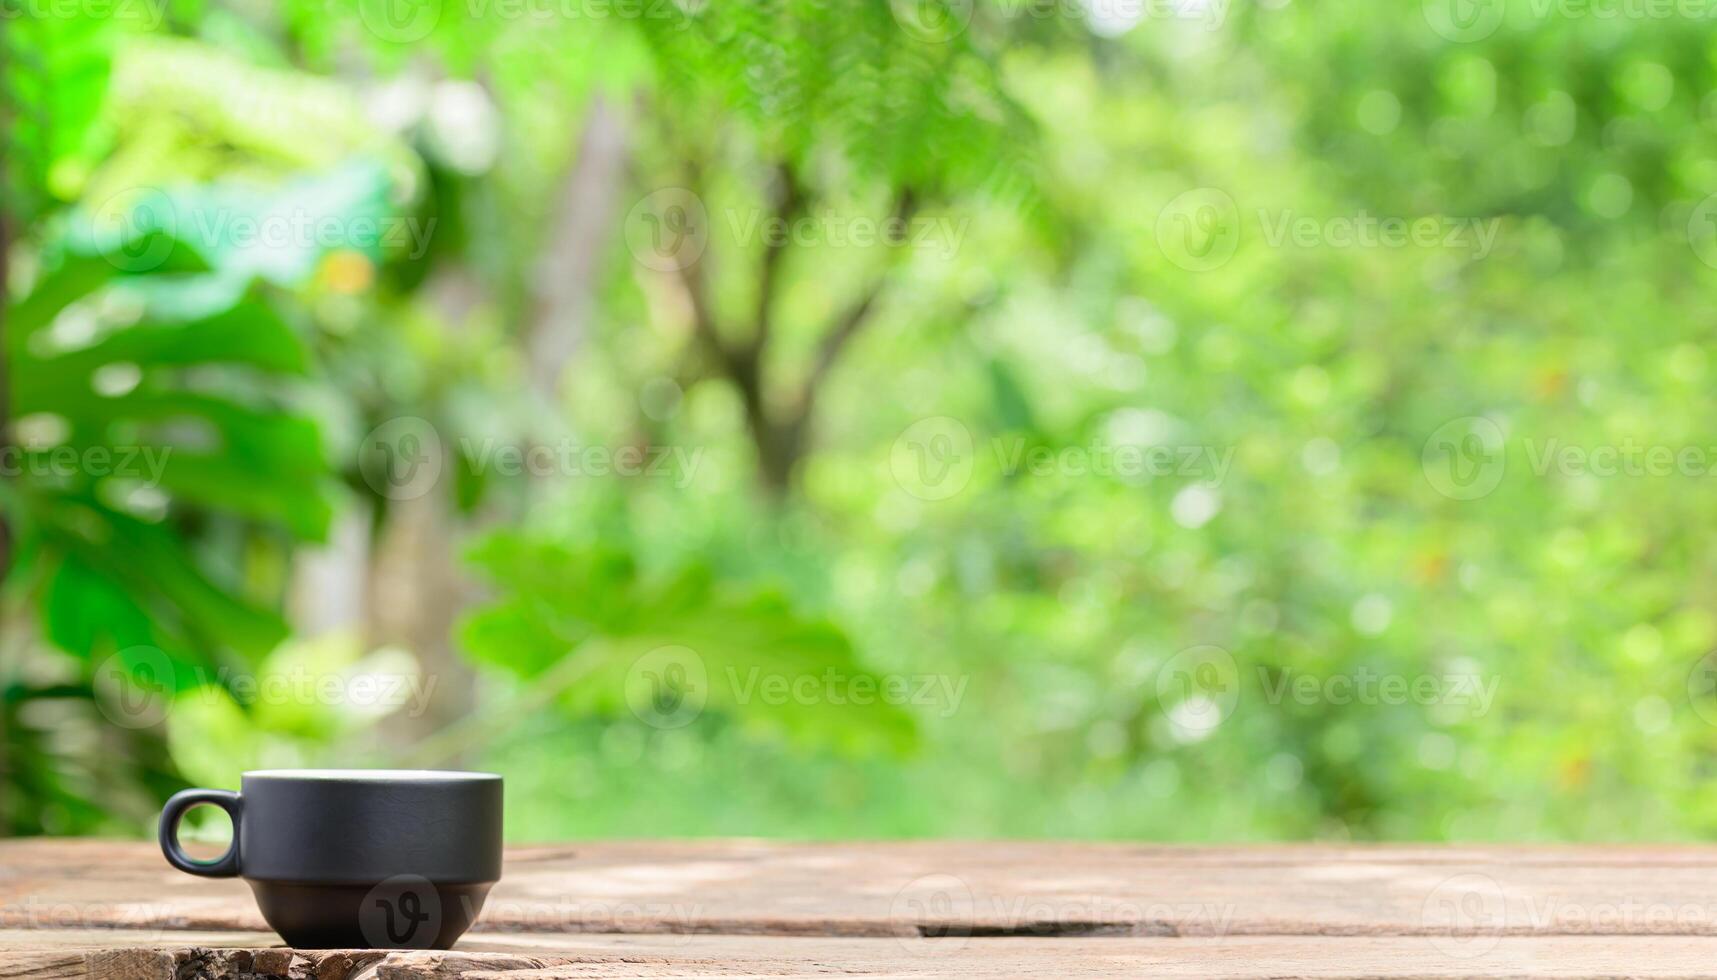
(849, 323)
(740, 365)
(781, 441)
(788, 207)
(704, 328)
(845, 328)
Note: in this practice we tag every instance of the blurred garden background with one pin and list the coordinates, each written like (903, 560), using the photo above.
(1158, 419)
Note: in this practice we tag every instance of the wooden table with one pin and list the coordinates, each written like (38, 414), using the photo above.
(757, 909)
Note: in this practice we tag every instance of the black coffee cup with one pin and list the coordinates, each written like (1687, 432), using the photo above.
(356, 858)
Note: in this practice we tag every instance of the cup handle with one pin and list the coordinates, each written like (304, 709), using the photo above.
(224, 867)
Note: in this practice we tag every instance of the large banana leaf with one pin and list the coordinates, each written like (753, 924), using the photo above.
(128, 424)
(130, 432)
(669, 652)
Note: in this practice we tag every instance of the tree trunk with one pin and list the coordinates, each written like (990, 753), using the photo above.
(419, 590)
(566, 277)
(5, 401)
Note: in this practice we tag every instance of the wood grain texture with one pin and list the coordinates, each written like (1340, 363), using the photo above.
(571, 957)
(115, 911)
(987, 889)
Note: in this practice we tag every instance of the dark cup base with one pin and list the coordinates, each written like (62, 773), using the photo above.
(406, 912)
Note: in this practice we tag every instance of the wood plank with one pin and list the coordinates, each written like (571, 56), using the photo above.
(566, 957)
(1235, 957)
(988, 889)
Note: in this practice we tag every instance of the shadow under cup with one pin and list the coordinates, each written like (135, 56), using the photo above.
(357, 858)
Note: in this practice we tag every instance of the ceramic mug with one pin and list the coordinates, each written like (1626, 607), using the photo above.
(356, 858)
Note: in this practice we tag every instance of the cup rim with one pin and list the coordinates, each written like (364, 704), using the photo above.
(373, 775)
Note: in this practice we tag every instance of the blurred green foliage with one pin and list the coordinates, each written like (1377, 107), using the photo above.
(879, 570)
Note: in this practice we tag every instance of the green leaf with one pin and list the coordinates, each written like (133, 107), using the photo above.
(750, 657)
(180, 409)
